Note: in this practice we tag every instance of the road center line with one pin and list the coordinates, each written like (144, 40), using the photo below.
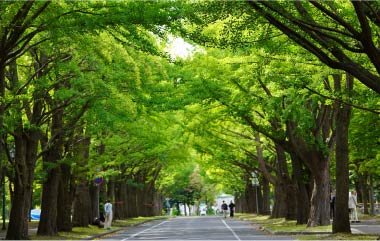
(145, 230)
(232, 231)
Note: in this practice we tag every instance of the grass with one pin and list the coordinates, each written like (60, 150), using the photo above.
(338, 236)
(92, 230)
(282, 225)
(76, 234)
(291, 226)
(261, 219)
(368, 217)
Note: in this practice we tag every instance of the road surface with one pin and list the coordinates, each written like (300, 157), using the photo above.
(194, 228)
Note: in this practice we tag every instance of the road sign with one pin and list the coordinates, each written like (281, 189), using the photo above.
(98, 180)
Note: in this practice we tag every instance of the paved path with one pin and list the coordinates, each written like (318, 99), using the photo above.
(194, 228)
(206, 228)
(366, 227)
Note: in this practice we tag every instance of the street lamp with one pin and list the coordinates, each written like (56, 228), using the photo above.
(255, 183)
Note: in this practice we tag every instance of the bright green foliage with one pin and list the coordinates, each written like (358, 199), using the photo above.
(184, 124)
(364, 143)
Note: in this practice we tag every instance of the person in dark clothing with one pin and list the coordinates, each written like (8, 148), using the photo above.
(332, 205)
(232, 209)
(99, 221)
(224, 209)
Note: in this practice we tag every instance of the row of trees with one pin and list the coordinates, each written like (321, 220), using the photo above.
(285, 92)
(75, 78)
(87, 91)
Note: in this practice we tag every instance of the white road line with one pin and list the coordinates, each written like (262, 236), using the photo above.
(356, 231)
(232, 231)
(145, 230)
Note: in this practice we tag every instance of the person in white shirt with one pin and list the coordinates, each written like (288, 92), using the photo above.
(108, 214)
(352, 203)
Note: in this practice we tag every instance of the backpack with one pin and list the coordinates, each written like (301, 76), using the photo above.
(224, 206)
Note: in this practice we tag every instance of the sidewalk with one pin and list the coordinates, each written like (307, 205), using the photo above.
(366, 227)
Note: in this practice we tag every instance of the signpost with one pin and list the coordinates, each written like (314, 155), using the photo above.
(98, 180)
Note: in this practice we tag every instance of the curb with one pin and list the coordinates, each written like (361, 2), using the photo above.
(104, 234)
(119, 229)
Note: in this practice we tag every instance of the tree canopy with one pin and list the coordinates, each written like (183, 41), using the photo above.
(284, 91)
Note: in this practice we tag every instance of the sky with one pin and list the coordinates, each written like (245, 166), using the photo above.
(179, 48)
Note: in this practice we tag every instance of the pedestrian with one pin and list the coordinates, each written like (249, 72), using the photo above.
(167, 206)
(108, 214)
(332, 204)
(352, 203)
(224, 209)
(232, 209)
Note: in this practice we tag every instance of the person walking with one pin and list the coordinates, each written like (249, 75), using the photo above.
(224, 209)
(232, 209)
(332, 204)
(108, 214)
(352, 203)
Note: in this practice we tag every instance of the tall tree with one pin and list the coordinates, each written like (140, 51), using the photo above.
(341, 219)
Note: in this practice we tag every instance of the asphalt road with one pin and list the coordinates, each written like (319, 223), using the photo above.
(194, 228)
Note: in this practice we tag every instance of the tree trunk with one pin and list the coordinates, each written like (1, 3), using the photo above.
(82, 200)
(238, 203)
(320, 204)
(158, 197)
(2, 111)
(49, 205)
(302, 197)
(140, 201)
(364, 191)
(16, 217)
(372, 196)
(16, 226)
(94, 194)
(65, 198)
(32, 138)
(280, 206)
(241, 204)
(24, 167)
(318, 164)
(82, 205)
(266, 197)
(184, 209)
(250, 198)
(341, 222)
(121, 200)
(131, 201)
(26, 144)
(111, 190)
(287, 184)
